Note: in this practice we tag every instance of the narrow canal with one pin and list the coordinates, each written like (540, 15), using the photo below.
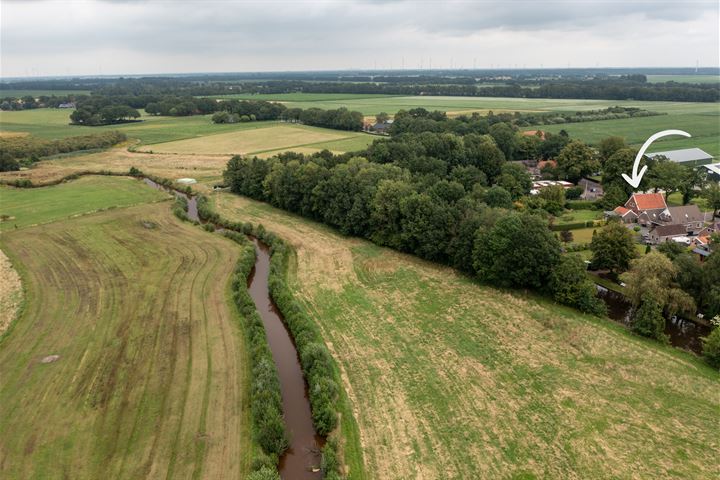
(682, 333)
(301, 461)
(303, 456)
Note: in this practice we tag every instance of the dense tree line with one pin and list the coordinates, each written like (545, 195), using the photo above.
(233, 111)
(93, 111)
(599, 89)
(501, 127)
(13, 150)
(441, 210)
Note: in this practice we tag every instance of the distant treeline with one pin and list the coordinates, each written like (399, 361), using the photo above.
(600, 89)
(605, 84)
(29, 148)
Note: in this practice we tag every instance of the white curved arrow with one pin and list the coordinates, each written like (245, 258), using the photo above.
(637, 177)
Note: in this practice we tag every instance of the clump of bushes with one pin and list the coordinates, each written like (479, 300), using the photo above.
(180, 207)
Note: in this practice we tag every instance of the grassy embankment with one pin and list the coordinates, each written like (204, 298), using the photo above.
(452, 379)
(151, 376)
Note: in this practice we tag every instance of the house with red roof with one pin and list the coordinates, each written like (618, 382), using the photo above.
(626, 215)
(647, 206)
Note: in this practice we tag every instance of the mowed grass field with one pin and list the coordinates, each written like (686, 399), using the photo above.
(23, 207)
(55, 123)
(271, 139)
(150, 379)
(451, 379)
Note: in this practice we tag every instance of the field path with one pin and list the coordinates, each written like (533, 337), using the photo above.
(150, 374)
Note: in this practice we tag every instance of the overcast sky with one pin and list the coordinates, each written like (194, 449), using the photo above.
(90, 37)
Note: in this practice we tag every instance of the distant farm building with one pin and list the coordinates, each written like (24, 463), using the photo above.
(691, 157)
(713, 172)
(67, 105)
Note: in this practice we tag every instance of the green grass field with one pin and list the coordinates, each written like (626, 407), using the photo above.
(275, 138)
(451, 379)
(701, 120)
(25, 207)
(54, 123)
(151, 376)
(573, 216)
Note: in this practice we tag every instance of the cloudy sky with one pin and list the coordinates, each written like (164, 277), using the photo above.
(89, 37)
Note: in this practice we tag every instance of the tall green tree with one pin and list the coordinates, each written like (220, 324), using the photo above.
(609, 146)
(613, 247)
(515, 179)
(577, 160)
(711, 193)
(519, 250)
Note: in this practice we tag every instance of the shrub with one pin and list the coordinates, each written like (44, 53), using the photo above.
(648, 320)
(264, 473)
(711, 347)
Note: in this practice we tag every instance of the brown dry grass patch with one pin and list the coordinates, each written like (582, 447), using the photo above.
(10, 292)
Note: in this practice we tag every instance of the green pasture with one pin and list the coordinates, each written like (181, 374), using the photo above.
(33, 206)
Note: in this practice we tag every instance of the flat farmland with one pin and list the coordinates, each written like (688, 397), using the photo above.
(275, 138)
(55, 123)
(702, 120)
(703, 124)
(452, 379)
(127, 360)
(24, 207)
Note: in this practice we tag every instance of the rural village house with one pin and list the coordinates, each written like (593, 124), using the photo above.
(664, 223)
(647, 207)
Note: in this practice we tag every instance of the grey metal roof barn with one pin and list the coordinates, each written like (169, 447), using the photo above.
(693, 157)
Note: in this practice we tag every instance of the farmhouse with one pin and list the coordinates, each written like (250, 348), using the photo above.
(647, 206)
(691, 157)
(381, 127)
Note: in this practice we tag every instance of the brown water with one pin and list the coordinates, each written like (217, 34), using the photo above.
(303, 455)
(192, 211)
(304, 452)
(682, 333)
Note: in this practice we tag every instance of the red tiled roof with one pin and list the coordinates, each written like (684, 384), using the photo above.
(649, 201)
(621, 210)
